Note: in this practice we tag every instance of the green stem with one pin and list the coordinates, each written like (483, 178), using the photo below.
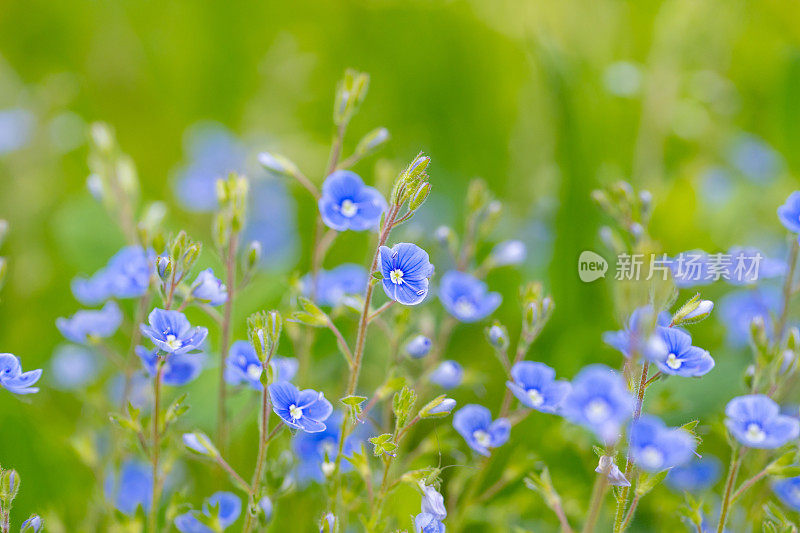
(153, 517)
(630, 513)
(780, 325)
(225, 340)
(733, 470)
(596, 503)
(747, 484)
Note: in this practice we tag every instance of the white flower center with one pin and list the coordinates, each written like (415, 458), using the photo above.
(673, 362)
(597, 411)
(755, 434)
(296, 412)
(173, 342)
(651, 457)
(482, 438)
(349, 209)
(254, 371)
(464, 307)
(536, 397)
(328, 468)
(396, 276)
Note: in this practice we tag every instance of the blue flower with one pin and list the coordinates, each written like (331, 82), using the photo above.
(127, 275)
(738, 309)
(139, 392)
(73, 367)
(508, 253)
(599, 401)
(89, 325)
(228, 505)
(243, 366)
(691, 269)
(788, 490)
(33, 524)
(427, 523)
(418, 347)
(695, 476)
(406, 271)
(132, 489)
(336, 284)
(474, 423)
(466, 297)
(209, 289)
(534, 385)
(448, 374)
(13, 379)
(636, 335)
(789, 212)
(16, 129)
(433, 502)
(171, 332)
(317, 451)
(306, 410)
(748, 265)
(266, 507)
(754, 158)
(346, 203)
(678, 357)
(179, 369)
(756, 422)
(656, 447)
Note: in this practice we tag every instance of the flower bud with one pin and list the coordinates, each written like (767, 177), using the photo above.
(439, 407)
(419, 196)
(418, 347)
(33, 524)
(199, 442)
(3, 230)
(372, 141)
(9, 485)
(266, 507)
(164, 267)
(94, 184)
(253, 255)
(498, 336)
(102, 136)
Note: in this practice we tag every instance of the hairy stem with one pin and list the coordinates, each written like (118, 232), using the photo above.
(153, 517)
(225, 340)
(733, 470)
(780, 325)
(596, 503)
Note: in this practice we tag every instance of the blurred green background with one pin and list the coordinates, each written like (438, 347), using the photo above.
(544, 100)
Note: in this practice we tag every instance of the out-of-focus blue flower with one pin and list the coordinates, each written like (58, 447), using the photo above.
(691, 269)
(179, 369)
(433, 502)
(200, 443)
(336, 284)
(228, 505)
(406, 270)
(16, 129)
(754, 158)
(33, 524)
(127, 275)
(13, 379)
(636, 337)
(346, 203)
(474, 423)
(317, 452)
(209, 289)
(534, 385)
(89, 325)
(418, 347)
(679, 357)
(271, 221)
(695, 476)
(599, 401)
(656, 447)
(133, 488)
(717, 187)
(73, 367)
(266, 507)
(139, 393)
(508, 253)
(755, 421)
(306, 409)
(328, 520)
(609, 468)
(738, 309)
(427, 523)
(789, 212)
(466, 297)
(444, 408)
(748, 265)
(448, 374)
(243, 366)
(788, 490)
(171, 332)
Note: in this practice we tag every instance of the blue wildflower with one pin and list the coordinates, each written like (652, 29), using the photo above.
(418, 347)
(448, 374)
(171, 332)
(433, 502)
(16, 128)
(748, 265)
(755, 421)
(691, 269)
(466, 297)
(243, 366)
(209, 289)
(13, 379)
(90, 325)
(599, 401)
(346, 203)
(199, 442)
(140, 389)
(635, 338)
(474, 423)
(695, 476)
(508, 253)
(306, 410)
(656, 447)
(179, 369)
(427, 523)
(406, 271)
(534, 385)
(789, 212)
(73, 367)
(127, 275)
(678, 357)
(228, 505)
(132, 489)
(33, 524)
(738, 309)
(334, 285)
(754, 158)
(788, 490)
(265, 504)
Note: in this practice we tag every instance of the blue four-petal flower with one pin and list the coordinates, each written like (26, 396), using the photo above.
(474, 423)
(306, 409)
(346, 203)
(406, 270)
